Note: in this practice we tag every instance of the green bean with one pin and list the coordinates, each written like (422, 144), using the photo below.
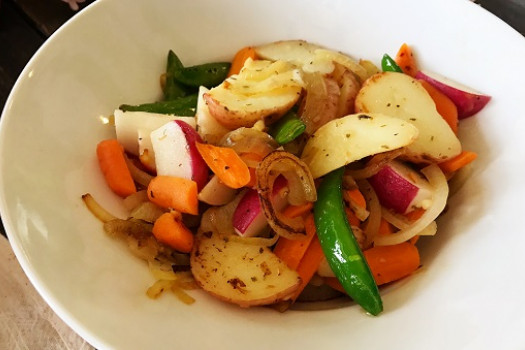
(182, 106)
(208, 74)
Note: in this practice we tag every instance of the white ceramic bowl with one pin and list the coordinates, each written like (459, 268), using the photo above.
(469, 294)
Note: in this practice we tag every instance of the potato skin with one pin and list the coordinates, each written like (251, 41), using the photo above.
(241, 273)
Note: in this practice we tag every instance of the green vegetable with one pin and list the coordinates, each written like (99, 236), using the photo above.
(389, 65)
(208, 75)
(182, 106)
(173, 89)
(340, 246)
(288, 128)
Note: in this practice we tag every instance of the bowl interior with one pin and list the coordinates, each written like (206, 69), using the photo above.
(114, 52)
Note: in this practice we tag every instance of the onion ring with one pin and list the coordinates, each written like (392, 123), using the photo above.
(301, 190)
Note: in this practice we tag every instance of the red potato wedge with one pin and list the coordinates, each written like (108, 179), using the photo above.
(209, 129)
(240, 273)
(263, 90)
(467, 101)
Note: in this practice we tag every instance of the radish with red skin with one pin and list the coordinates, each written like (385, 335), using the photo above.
(176, 154)
(401, 188)
(249, 219)
(467, 101)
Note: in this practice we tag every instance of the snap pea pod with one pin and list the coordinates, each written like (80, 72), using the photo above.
(173, 89)
(182, 106)
(389, 65)
(208, 74)
(288, 128)
(340, 246)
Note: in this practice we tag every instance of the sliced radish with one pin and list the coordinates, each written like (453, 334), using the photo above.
(176, 154)
(249, 219)
(216, 193)
(401, 188)
(128, 125)
(467, 101)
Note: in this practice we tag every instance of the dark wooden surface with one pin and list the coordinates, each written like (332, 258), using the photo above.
(26, 24)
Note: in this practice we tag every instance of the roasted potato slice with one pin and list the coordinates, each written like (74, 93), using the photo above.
(239, 273)
(262, 90)
(403, 97)
(345, 140)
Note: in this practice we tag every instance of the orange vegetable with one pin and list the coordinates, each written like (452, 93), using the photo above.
(311, 259)
(291, 251)
(458, 161)
(387, 263)
(353, 220)
(385, 228)
(169, 229)
(293, 211)
(355, 196)
(392, 262)
(405, 60)
(226, 164)
(444, 105)
(240, 57)
(112, 162)
(415, 214)
(334, 283)
(174, 192)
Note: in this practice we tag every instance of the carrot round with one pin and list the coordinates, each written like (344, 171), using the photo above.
(168, 229)
(240, 57)
(112, 162)
(444, 105)
(174, 192)
(226, 164)
(291, 251)
(392, 262)
(458, 161)
(405, 60)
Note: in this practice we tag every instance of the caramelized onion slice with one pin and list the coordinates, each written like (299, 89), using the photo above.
(375, 164)
(249, 141)
(301, 190)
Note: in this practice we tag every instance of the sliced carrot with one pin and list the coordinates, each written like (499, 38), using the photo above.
(385, 228)
(458, 161)
(174, 192)
(226, 164)
(169, 229)
(311, 260)
(353, 220)
(415, 214)
(414, 239)
(334, 283)
(444, 105)
(112, 162)
(240, 58)
(291, 251)
(293, 211)
(253, 178)
(355, 196)
(387, 263)
(406, 61)
(392, 262)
